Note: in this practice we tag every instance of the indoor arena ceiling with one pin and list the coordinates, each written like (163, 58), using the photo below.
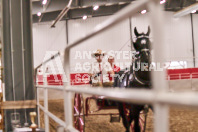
(79, 8)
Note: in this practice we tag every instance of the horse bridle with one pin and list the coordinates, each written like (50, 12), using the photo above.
(143, 50)
(141, 36)
(134, 73)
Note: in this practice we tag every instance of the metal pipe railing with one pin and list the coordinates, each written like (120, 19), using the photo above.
(51, 58)
(56, 119)
(138, 96)
(141, 96)
(51, 87)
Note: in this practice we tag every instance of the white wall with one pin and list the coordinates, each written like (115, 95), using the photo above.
(114, 39)
(47, 39)
(178, 37)
(195, 29)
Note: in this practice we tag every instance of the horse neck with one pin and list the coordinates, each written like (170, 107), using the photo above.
(143, 75)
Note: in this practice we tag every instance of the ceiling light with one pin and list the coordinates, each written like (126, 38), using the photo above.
(193, 11)
(95, 7)
(44, 2)
(143, 11)
(162, 1)
(39, 14)
(84, 17)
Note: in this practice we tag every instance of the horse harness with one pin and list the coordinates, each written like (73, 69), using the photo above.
(131, 75)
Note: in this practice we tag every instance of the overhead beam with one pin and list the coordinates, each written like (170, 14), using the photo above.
(103, 2)
(62, 14)
(78, 13)
(44, 9)
(57, 5)
(186, 10)
(46, 5)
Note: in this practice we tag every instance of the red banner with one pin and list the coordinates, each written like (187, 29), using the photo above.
(83, 78)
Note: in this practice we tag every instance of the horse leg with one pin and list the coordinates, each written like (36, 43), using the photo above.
(124, 117)
(131, 118)
(136, 121)
(135, 114)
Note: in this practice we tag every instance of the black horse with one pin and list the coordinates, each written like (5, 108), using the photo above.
(137, 76)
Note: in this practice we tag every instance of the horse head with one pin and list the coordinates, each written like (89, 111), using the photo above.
(142, 45)
(142, 42)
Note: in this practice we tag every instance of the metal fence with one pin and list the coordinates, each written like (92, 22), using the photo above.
(183, 82)
(159, 96)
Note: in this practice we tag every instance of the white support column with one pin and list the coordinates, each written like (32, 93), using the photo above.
(38, 110)
(68, 107)
(161, 120)
(161, 114)
(46, 109)
(46, 101)
(68, 110)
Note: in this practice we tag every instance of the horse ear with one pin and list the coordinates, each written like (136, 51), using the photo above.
(149, 30)
(136, 32)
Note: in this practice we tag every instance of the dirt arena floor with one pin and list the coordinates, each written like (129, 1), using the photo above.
(181, 120)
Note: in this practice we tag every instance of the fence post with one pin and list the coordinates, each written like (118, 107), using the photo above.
(38, 110)
(161, 123)
(46, 100)
(67, 95)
